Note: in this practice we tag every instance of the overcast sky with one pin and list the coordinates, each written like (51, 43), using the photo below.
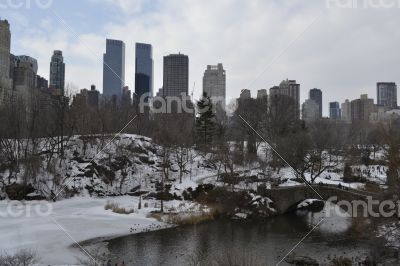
(342, 51)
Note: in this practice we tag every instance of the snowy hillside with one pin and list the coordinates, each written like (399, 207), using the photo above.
(100, 167)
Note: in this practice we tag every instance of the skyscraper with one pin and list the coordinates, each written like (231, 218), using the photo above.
(144, 70)
(334, 110)
(316, 96)
(114, 68)
(214, 84)
(176, 75)
(290, 89)
(387, 94)
(5, 43)
(57, 72)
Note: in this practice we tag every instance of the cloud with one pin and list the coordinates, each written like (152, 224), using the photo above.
(126, 6)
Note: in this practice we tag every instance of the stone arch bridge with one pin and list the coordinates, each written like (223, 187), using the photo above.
(287, 198)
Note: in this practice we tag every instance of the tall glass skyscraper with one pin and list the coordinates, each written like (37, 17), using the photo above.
(316, 96)
(57, 71)
(387, 94)
(144, 70)
(114, 68)
(334, 110)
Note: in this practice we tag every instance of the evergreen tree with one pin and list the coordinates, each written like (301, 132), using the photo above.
(205, 121)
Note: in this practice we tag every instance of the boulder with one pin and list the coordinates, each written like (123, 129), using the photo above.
(18, 191)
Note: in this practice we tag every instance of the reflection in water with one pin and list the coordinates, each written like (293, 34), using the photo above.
(268, 241)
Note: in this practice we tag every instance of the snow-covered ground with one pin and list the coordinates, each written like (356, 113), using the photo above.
(374, 173)
(53, 231)
(327, 178)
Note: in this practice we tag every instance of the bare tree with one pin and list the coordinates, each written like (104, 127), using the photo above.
(391, 137)
(21, 258)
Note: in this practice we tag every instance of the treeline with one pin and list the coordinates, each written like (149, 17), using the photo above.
(263, 131)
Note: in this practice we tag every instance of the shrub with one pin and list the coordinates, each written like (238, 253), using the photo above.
(372, 187)
(225, 201)
(21, 258)
(190, 219)
(163, 195)
(230, 179)
(191, 194)
(116, 208)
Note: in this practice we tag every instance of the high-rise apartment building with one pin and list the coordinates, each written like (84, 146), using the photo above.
(114, 68)
(334, 110)
(57, 72)
(93, 97)
(144, 70)
(245, 94)
(5, 44)
(261, 94)
(310, 111)
(42, 83)
(346, 111)
(290, 89)
(387, 94)
(25, 71)
(176, 75)
(361, 109)
(316, 96)
(214, 84)
(126, 98)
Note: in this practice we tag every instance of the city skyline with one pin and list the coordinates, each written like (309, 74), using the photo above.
(314, 59)
(176, 81)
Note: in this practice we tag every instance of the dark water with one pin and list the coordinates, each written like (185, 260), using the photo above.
(266, 242)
